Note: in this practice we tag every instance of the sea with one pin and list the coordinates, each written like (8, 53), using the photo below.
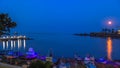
(67, 45)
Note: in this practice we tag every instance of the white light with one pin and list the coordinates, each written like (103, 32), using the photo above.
(14, 44)
(109, 22)
(18, 44)
(7, 44)
(11, 44)
(118, 31)
(3, 44)
(24, 43)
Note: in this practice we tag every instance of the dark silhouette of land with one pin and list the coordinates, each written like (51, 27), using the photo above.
(103, 34)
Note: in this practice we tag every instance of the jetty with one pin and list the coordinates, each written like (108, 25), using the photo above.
(13, 41)
(6, 38)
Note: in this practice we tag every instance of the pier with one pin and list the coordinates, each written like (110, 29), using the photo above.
(5, 38)
(13, 41)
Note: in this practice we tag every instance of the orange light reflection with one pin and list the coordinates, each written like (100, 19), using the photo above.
(109, 48)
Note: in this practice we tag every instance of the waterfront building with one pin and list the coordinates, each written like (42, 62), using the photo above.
(118, 31)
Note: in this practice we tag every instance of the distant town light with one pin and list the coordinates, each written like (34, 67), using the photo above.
(118, 31)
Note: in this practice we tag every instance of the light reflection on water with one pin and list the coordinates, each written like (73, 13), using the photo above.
(3, 44)
(12, 44)
(66, 45)
(109, 48)
(24, 43)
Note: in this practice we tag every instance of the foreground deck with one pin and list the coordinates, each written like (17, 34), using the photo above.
(3, 65)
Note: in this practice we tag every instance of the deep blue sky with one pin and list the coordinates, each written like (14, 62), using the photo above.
(61, 16)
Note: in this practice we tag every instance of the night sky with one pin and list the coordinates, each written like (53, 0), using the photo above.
(62, 16)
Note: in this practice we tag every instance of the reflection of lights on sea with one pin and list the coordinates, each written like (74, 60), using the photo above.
(18, 44)
(24, 42)
(3, 44)
(11, 44)
(109, 48)
(14, 43)
(21, 41)
(7, 43)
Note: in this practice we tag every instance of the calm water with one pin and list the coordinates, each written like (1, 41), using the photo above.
(67, 45)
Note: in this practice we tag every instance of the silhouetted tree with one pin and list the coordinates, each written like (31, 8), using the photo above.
(113, 30)
(103, 30)
(6, 23)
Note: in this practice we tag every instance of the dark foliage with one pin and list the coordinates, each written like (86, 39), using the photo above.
(40, 64)
(5, 24)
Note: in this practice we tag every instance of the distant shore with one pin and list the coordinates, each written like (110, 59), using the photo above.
(99, 34)
(102, 34)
